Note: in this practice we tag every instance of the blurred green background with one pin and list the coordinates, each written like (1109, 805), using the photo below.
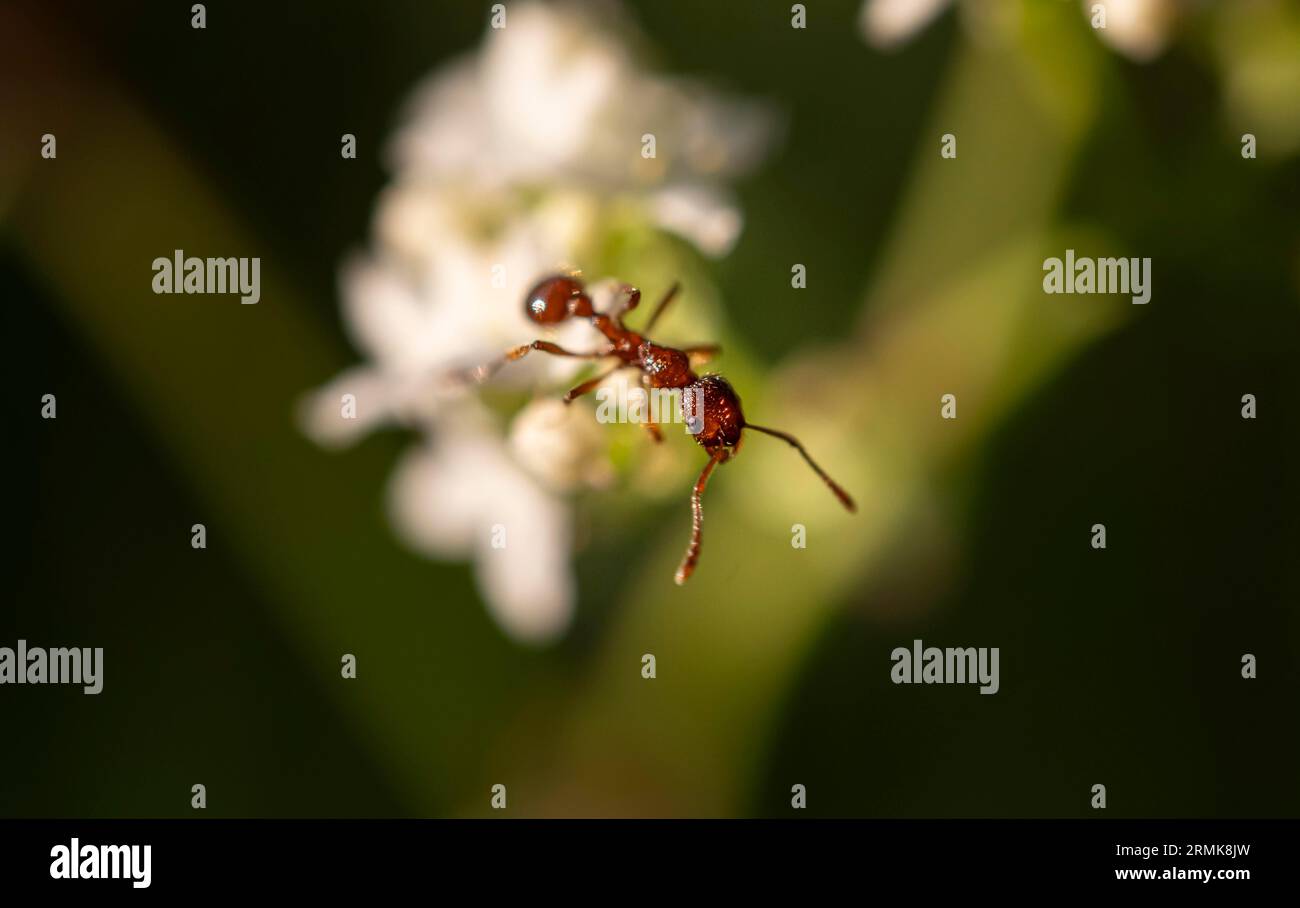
(1119, 667)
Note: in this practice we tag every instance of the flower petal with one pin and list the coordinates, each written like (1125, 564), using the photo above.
(322, 413)
(700, 214)
(464, 495)
(888, 23)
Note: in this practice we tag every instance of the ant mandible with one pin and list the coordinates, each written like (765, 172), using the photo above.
(718, 428)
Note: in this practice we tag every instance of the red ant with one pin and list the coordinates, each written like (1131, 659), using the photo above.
(718, 429)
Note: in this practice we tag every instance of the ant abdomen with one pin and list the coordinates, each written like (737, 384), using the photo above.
(556, 298)
(711, 406)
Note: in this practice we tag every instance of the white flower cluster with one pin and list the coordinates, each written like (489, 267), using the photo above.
(507, 168)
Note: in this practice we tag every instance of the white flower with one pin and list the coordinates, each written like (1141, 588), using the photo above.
(554, 443)
(1137, 28)
(552, 100)
(512, 164)
(888, 23)
(466, 498)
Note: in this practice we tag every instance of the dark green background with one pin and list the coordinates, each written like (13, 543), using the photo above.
(1122, 669)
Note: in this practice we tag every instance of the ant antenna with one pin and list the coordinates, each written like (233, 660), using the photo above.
(659, 309)
(842, 495)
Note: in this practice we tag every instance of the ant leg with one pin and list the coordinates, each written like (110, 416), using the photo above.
(590, 384)
(659, 309)
(553, 349)
(482, 373)
(648, 423)
(692, 555)
(839, 493)
(702, 353)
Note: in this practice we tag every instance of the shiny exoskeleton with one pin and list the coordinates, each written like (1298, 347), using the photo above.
(709, 404)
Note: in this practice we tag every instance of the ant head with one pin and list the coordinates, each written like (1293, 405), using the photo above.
(712, 411)
(556, 298)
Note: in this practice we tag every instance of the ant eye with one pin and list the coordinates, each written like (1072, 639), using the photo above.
(548, 302)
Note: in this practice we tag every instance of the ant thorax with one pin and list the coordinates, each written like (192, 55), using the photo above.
(665, 367)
